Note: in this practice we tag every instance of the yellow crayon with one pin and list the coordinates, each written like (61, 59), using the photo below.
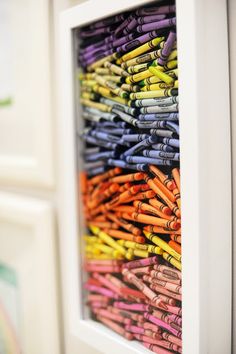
(102, 90)
(155, 249)
(111, 85)
(142, 49)
(138, 77)
(173, 55)
(115, 69)
(91, 239)
(162, 244)
(89, 95)
(172, 64)
(134, 69)
(102, 71)
(88, 82)
(86, 76)
(91, 249)
(172, 260)
(132, 244)
(138, 253)
(153, 94)
(101, 106)
(144, 58)
(161, 75)
(130, 88)
(108, 250)
(101, 62)
(107, 239)
(115, 78)
(159, 86)
(117, 99)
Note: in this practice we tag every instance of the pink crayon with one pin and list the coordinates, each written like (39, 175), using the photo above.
(174, 273)
(164, 316)
(101, 290)
(152, 327)
(142, 270)
(176, 319)
(98, 304)
(159, 289)
(141, 262)
(102, 269)
(164, 277)
(113, 316)
(171, 338)
(127, 314)
(104, 281)
(166, 307)
(117, 328)
(133, 307)
(162, 324)
(156, 349)
(141, 286)
(161, 343)
(95, 297)
(104, 262)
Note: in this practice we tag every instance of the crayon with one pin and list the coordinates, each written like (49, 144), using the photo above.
(101, 290)
(154, 94)
(148, 19)
(171, 142)
(155, 348)
(149, 209)
(132, 79)
(144, 58)
(172, 260)
(117, 328)
(101, 62)
(132, 292)
(160, 289)
(107, 239)
(113, 316)
(119, 106)
(141, 286)
(166, 181)
(147, 219)
(174, 156)
(147, 160)
(171, 338)
(127, 314)
(135, 69)
(123, 223)
(176, 238)
(161, 75)
(165, 52)
(160, 86)
(164, 277)
(175, 246)
(141, 145)
(134, 137)
(168, 271)
(166, 9)
(162, 324)
(126, 117)
(115, 69)
(162, 244)
(130, 88)
(156, 25)
(124, 235)
(96, 105)
(142, 49)
(157, 342)
(131, 306)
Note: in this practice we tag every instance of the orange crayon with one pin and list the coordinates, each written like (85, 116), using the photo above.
(168, 182)
(176, 238)
(176, 175)
(161, 230)
(123, 223)
(124, 235)
(175, 246)
(147, 219)
(149, 209)
(160, 206)
(124, 208)
(100, 178)
(128, 178)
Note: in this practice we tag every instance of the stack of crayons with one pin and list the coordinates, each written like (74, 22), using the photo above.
(129, 90)
(130, 183)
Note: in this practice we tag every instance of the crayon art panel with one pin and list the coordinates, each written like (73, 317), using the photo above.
(127, 72)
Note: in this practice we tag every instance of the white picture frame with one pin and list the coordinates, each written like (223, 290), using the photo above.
(26, 135)
(205, 167)
(28, 247)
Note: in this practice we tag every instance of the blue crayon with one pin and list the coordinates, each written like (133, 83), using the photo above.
(126, 117)
(107, 137)
(96, 171)
(91, 117)
(173, 127)
(163, 133)
(140, 146)
(123, 164)
(93, 164)
(163, 147)
(171, 142)
(159, 116)
(103, 115)
(150, 124)
(93, 150)
(115, 131)
(160, 109)
(161, 154)
(135, 137)
(112, 124)
(105, 144)
(148, 160)
(100, 156)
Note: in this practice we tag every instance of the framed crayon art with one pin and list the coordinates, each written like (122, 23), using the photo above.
(145, 181)
(28, 287)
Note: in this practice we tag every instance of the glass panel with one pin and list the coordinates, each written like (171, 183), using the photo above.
(129, 174)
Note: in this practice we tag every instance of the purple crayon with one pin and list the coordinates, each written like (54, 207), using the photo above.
(166, 50)
(155, 10)
(156, 25)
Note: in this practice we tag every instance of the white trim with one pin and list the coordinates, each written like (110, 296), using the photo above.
(32, 255)
(206, 179)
